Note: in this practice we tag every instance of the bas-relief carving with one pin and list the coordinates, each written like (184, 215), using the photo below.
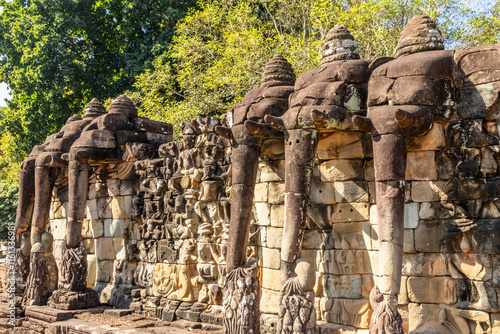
(183, 207)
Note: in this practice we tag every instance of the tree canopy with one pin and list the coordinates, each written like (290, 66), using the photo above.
(220, 49)
(55, 55)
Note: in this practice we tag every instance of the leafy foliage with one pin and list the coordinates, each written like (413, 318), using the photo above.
(55, 55)
(220, 49)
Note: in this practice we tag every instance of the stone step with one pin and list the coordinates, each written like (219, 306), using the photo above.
(47, 314)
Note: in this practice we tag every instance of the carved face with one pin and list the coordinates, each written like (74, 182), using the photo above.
(188, 141)
(492, 127)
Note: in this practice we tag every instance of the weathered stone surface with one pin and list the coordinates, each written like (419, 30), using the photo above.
(318, 217)
(270, 258)
(274, 236)
(269, 301)
(272, 171)
(277, 215)
(479, 101)
(433, 140)
(276, 193)
(351, 191)
(422, 264)
(440, 210)
(428, 236)
(429, 318)
(355, 235)
(105, 249)
(341, 170)
(348, 312)
(263, 214)
(340, 145)
(421, 165)
(346, 262)
(348, 212)
(473, 266)
(328, 328)
(348, 286)
(271, 279)
(432, 290)
(430, 191)
(322, 193)
(409, 241)
(260, 192)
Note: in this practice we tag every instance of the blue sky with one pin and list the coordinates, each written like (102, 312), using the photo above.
(4, 94)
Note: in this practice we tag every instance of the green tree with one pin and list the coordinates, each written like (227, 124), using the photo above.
(220, 49)
(55, 55)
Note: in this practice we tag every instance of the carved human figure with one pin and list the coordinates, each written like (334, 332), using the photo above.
(325, 100)
(250, 134)
(404, 96)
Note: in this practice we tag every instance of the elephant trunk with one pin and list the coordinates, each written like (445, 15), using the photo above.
(245, 159)
(44, 179)
(78, 177)
(300, 148)
(26, 196)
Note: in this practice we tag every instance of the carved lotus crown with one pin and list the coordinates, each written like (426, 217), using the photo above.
(93, 109)
(339, 44)
(123, 105)
(278, 72)
(421, 33)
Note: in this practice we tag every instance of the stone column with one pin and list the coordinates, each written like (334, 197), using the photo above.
(249, 133)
